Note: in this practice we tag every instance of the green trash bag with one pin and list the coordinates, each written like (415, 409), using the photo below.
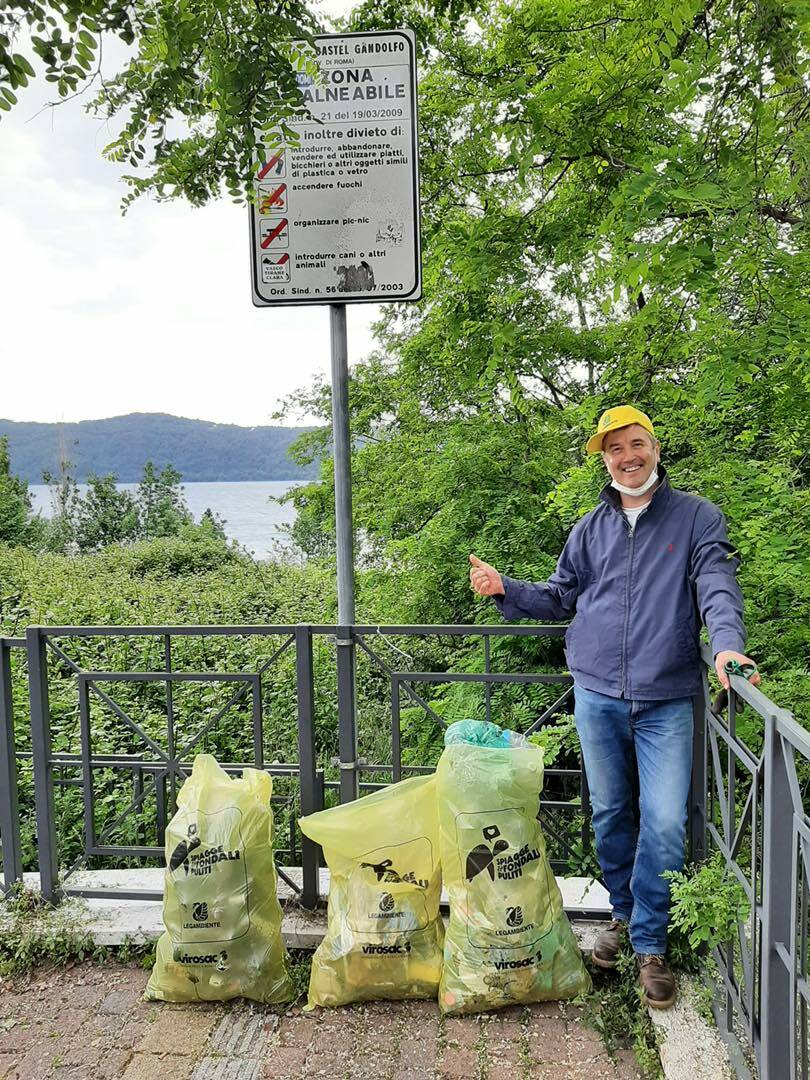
(220, 908)
(384, 935)
(509, 940)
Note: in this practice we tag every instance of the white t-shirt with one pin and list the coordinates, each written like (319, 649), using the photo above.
(633, 513)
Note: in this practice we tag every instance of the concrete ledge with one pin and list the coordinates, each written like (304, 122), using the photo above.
(691, 1047)
(112, 920)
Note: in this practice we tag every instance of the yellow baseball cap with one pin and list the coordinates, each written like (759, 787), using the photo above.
(619, 417)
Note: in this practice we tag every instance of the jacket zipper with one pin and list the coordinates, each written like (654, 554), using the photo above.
(632, 538)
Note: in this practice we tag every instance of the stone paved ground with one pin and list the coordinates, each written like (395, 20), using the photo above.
(89, 1023)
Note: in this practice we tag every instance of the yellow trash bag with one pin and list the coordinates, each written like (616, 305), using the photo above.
(384, 935)
(220, 909)
(508, 940)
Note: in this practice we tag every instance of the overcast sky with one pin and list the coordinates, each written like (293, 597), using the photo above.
(104, 314)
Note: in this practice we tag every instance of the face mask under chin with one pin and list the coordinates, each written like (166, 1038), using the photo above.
(650, 482)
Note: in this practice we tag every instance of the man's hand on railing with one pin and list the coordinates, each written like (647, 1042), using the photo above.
(485, 579)
(741, 661)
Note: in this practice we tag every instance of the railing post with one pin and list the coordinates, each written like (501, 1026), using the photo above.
(9, 806)
(698, 787)
(776, 1034)
(310, 851)
(347, 720)
(43, 768)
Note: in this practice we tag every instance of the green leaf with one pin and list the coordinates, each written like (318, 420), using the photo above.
(708, 192)
(23, 64)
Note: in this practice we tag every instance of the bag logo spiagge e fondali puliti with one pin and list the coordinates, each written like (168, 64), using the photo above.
(184, 848)
(384, 871)
(196, 860)
(490, 857)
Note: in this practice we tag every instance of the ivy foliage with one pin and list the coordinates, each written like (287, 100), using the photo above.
(204, 82)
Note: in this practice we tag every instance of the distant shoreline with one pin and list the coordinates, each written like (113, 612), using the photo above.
(251, 516)
(130, 485)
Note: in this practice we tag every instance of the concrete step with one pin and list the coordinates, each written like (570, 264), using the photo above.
(113, 920)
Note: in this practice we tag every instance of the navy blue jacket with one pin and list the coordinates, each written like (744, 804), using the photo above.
(640, 598)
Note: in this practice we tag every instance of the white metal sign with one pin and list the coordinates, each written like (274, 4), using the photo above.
(336, 218)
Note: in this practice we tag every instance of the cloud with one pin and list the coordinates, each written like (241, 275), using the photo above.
(104, 314)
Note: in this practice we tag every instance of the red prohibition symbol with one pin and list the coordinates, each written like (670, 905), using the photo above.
(271, 236)
(270, 164)
(276, 196)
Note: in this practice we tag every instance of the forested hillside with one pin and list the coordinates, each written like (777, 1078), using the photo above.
(198, 449)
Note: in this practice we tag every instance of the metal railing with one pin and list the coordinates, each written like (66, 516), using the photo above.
(755, 779)
(9, 801)
(153, 767)
(746, 801)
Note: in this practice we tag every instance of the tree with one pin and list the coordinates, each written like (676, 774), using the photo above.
(105, 515)
(160, 504)
(15, 502)
(62, 35)
(59, 534)
(614, 208)
(227, 69)
(212, 525)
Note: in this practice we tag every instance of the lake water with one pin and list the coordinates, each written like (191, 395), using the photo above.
(251, 518)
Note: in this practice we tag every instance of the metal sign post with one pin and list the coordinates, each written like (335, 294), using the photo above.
(336, 216)
(342, 454)
(336, 221)
(344, 536)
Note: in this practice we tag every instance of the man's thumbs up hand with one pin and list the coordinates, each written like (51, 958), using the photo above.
(485, 579)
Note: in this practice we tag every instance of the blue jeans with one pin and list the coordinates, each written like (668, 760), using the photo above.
(632, 857)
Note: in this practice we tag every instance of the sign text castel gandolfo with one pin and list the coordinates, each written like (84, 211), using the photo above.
(336, 217)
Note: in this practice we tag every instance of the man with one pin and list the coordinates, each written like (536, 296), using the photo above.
(639, 573)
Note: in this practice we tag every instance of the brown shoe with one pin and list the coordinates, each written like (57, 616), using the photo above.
(657, 981)
(609, 944)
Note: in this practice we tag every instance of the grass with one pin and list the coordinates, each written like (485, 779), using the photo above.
(615, 1010)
